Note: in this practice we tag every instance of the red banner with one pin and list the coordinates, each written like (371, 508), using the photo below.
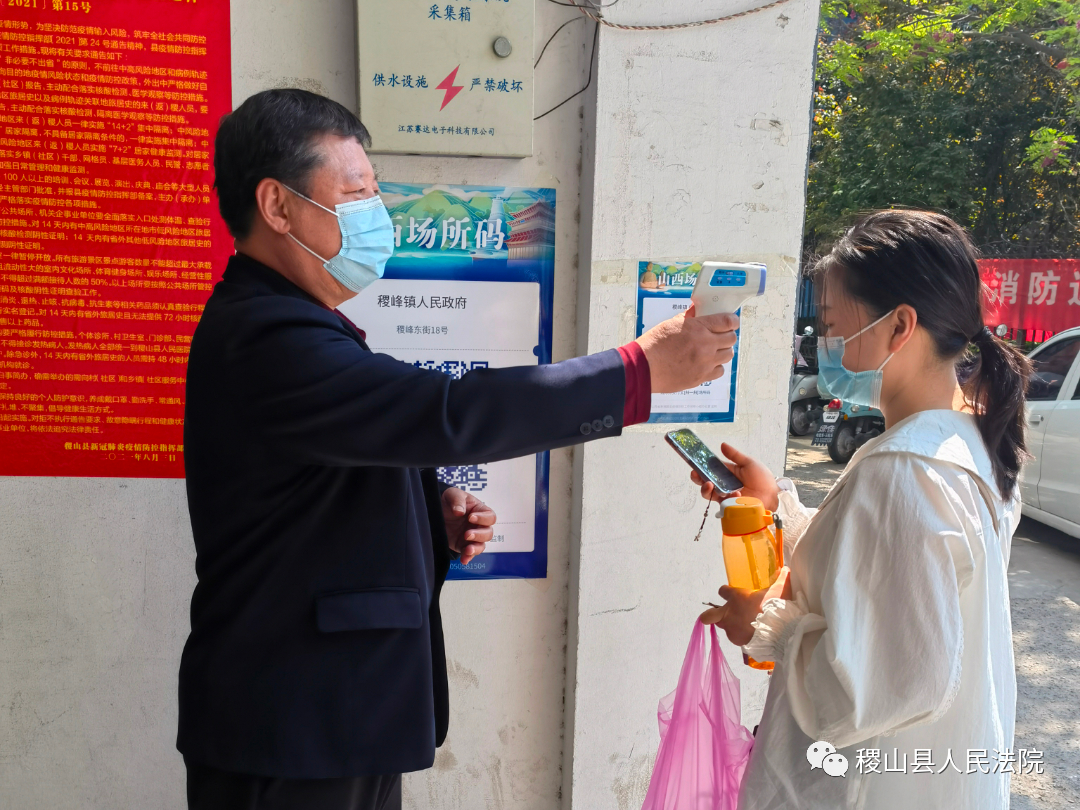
(110, 240)
(1032, 294)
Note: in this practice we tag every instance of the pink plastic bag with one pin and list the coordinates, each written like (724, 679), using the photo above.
(704, 748)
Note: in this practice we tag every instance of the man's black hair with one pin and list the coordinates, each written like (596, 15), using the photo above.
(273, 134)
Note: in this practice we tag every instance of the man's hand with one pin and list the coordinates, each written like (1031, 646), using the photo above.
(469, 523)
(757, 481)
(742, 607)
(686, 351)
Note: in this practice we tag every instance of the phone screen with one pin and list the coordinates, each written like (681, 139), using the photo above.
(701, 458)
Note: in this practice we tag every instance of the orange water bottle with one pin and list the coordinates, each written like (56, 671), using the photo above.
(753, 553)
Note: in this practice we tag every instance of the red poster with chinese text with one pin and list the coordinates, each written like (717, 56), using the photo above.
(110, 240)
(1032, 294)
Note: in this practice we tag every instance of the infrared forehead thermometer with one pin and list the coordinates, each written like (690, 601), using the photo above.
(726, 286)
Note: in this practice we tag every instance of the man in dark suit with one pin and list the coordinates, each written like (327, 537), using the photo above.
(314, 675)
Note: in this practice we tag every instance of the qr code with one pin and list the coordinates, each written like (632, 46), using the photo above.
(470, 478)
(455, 368)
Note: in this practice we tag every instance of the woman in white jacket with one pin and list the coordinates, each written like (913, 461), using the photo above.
(891, 630)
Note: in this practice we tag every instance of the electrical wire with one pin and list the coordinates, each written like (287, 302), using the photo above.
(592, 60)
(557, 30)
(591, 5)
(593, 14)
(592, 11)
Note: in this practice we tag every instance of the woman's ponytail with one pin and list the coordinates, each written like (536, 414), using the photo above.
(927, 261)
(997, 389)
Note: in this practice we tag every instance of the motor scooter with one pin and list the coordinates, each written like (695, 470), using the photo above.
(845, 428)
(805, 403)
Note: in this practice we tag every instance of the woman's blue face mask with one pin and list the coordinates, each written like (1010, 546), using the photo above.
(367, 241)
(856, 387)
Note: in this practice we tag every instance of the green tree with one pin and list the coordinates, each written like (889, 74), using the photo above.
(971, 110)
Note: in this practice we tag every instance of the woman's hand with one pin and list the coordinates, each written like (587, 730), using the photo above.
(742, 607)
(734, 617)
(757, 481)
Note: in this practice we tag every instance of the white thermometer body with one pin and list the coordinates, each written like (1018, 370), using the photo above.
(726, 286)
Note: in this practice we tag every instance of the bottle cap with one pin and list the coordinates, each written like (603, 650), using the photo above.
(744, 515)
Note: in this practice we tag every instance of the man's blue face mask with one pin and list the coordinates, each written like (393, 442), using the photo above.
(856, 387)
(367, 241)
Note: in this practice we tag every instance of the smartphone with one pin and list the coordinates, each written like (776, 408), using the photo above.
(705, 461)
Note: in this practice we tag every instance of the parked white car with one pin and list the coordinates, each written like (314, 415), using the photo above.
(1050, 482)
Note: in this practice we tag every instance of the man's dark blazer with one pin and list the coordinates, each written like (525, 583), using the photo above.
(316, 646)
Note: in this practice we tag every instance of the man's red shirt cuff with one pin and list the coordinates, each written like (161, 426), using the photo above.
(638, 385)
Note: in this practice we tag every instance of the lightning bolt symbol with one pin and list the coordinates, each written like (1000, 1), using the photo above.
(451, 89)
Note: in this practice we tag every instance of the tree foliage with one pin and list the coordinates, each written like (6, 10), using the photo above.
(973, 110)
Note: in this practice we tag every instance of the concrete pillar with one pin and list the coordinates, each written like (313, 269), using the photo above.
(698, 151)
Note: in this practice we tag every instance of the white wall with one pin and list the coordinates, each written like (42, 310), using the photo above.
(95, 578)
(700, 151)
(95, 575)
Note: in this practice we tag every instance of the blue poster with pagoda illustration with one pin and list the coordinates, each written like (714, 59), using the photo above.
(664, 290)
(471, 286)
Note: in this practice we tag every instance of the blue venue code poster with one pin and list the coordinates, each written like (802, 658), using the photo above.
(470, 286)
(664, 290)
